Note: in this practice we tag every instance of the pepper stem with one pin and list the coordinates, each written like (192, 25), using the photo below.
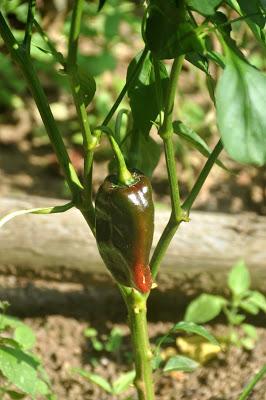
(137, 316)
(125, 178)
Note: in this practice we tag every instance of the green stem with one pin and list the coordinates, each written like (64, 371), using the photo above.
(20, 56)
(166, 132)
(202, 177)
(250, 386)
(29, 24)
(137, 315)
(124, 176)
(72, 70)
(127, 85)
(167, 129)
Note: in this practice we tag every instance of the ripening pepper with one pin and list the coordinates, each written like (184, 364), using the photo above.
(124, 229)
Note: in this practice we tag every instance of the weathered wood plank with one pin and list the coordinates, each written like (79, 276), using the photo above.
(61, 247)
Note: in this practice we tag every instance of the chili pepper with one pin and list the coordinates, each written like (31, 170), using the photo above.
(124, 229)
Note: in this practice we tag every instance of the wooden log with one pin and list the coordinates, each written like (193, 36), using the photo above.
(60, 247)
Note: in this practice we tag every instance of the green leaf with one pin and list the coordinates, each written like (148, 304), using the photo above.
(204, 7)
(15, 395)
(249, 307)
(94, 378)
(245, 395)
(176, 34)
(88, 86)
(145, 155)
(250, 330)
(143, 93)
(90, 332)
(247, 343)
(21, 369)
(253, 11)
(217, 58)
(123, 382)
(240, 100)
(195, 140)
(25, 336)
(199, 61)
(258, 299)
(204, 308)
(101, 4)
(114, 340)
(235, 319)
(263, 4)
(239, 279)
(180, 363)
(190, 327)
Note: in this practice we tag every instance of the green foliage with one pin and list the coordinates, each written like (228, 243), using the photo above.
(176, 35)
(180, 363)
(19, 366)
(117, 387)
(191, 137)
(110, 343)
(204, 7)
(240, 99)
(143, 93)
(206, 307)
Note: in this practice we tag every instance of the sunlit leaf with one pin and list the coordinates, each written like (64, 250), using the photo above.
(204, 308)
(180, 363)
(240, 100)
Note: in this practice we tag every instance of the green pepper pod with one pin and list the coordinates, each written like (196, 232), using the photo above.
(124, 230)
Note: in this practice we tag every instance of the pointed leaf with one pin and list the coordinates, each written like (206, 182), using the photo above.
(21, 369)
(123, 382)
(190, 327)
(25, 336)
(239, 279)
(180, 363)
(101, 4)
(88, 86)
(143, 95)
(253, 11)
(204, 308)
(94, 378)
(204, 7)
(250, 386)
(249, 307)
(176, 34)
(195, 140)
(257, 299)
(47, 210)
(240, 100)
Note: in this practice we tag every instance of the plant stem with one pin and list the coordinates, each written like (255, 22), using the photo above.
(124, 175)
(166, 129)
(20, 56)
(166, 133)
(72, 71)
(250, 386)
(202, 177)
(136, 305)
(129, 81)
(29, 24)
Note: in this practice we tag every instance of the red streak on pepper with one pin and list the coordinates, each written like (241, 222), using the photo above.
(142, 278)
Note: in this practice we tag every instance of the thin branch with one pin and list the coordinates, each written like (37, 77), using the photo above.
(29, 24)
(88, 140)
(20, 56)
(202, 177)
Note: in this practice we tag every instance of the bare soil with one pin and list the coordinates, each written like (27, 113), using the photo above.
(59, 313)
(62, 345)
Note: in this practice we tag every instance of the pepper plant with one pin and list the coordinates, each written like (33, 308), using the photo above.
(122, 218)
